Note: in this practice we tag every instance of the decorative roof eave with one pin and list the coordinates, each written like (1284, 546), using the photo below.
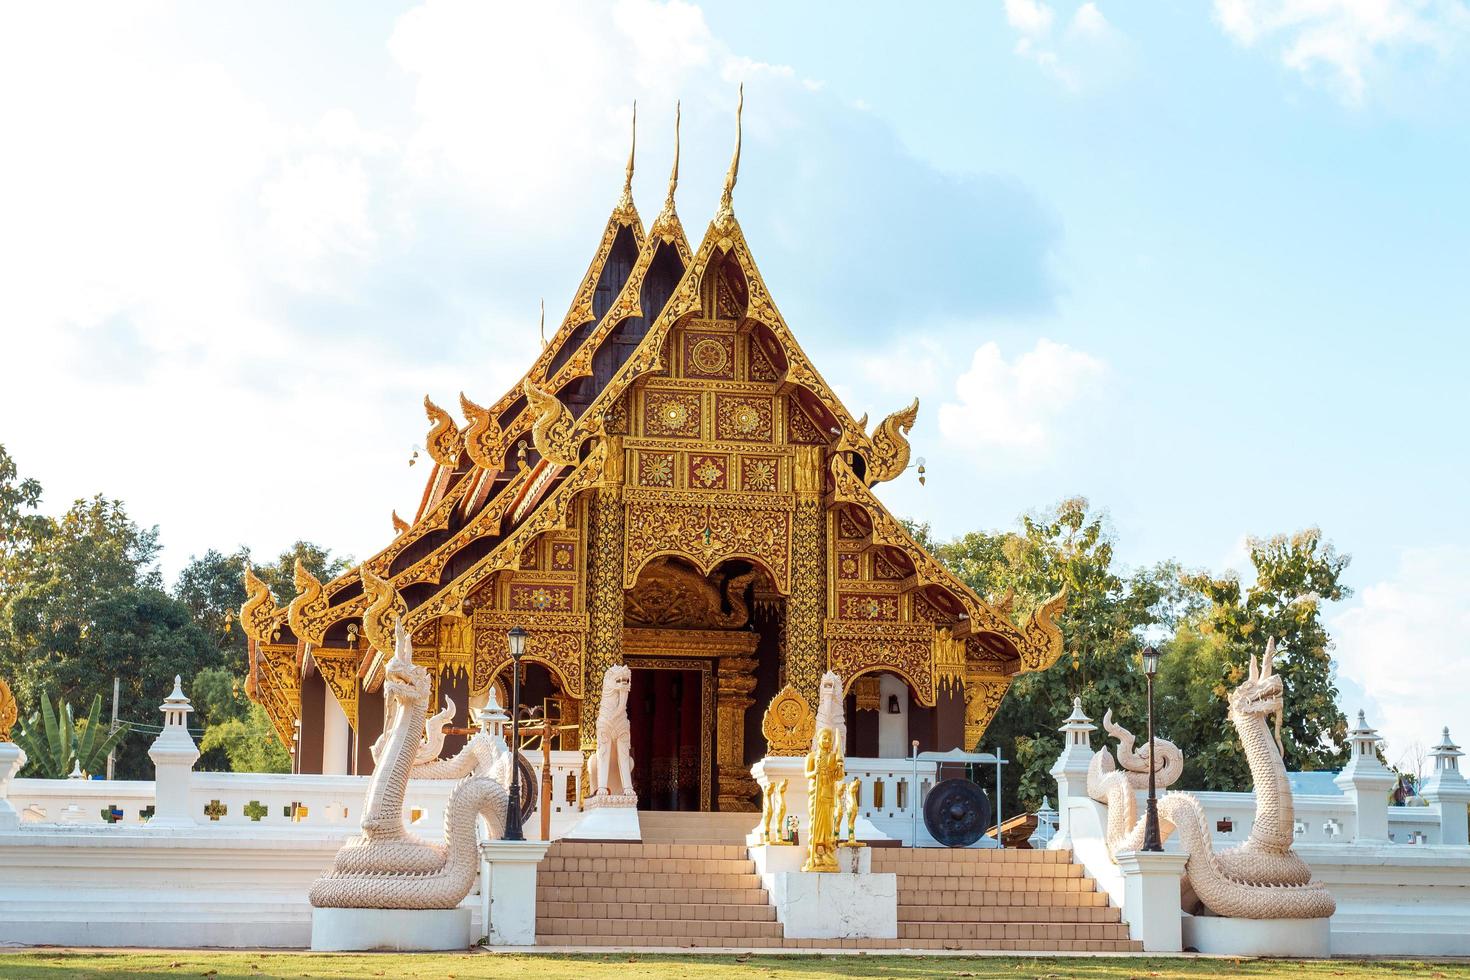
(1038, 643)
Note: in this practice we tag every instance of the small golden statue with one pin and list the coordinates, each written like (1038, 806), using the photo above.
(773, 813)
(782, 837)
(850, 812)
(824, 770)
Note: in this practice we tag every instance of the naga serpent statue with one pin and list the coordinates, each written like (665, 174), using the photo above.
(386, 866)
(1261, 878)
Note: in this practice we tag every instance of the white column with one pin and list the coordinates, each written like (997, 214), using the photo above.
(1367, 782)
(508, 890)
(1151, 898)
(336, 736)
(11, 759)
(1070, 770)
(1446, 789)
(174, 754)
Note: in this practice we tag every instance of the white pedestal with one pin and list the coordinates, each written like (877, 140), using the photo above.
(792, 768)
(813, 905)
(1258, 937)
(398, 930)
(1151, 898)
(773, 858)
(508, 890)
(602, 822)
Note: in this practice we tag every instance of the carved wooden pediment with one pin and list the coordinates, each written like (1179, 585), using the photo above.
(671, 594)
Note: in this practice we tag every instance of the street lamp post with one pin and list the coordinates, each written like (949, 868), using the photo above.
(517, 640)
(1151, 823)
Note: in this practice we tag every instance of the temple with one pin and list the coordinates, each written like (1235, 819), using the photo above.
(671, 486)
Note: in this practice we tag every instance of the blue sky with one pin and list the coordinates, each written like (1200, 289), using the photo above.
(1202, 263)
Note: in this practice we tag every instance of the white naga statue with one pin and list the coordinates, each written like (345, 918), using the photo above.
(1260, 879)
(386, 866)
(613, 778)
(830, 713)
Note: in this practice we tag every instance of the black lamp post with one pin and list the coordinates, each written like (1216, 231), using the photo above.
(1151, 822)
(517, 640)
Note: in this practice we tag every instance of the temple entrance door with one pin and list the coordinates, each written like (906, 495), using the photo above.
(670, 714)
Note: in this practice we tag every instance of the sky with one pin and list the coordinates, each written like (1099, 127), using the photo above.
(1204, 264)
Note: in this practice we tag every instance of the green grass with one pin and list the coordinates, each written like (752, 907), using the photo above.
(44, 964)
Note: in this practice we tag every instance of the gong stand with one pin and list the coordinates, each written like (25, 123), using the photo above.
(959, 799)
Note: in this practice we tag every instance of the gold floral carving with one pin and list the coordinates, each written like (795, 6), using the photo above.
(554, 640)
(9, 711)
(983, 696)
(385, 608)
(443, 441)
(339, 672)
(671, 413)
(307, 612)
(604, 595)
(788, 723)
(806, 649)
(1043, 640)
(707, 535)
(744, 418)
(552, 432)
(890, 453)
(949, 660)
(866, 692)
(258, 616)
(399, 524)
(670, 594)
(902, 648)
(483, 438)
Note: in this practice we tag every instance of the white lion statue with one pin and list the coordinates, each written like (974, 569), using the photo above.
(614, 769)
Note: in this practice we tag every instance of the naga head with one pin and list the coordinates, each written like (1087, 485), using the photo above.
(1262, 693)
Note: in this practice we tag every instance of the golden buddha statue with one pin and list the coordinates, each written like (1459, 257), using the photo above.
(824, 769)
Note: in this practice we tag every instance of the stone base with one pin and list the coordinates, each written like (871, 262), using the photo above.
(1258, 937)
(813, 905)
(772, 858)
(607, 822)
(397, 930)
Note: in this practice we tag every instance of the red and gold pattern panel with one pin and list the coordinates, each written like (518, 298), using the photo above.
(709, 355)
(744, 418)
(885, 570)
(541, 597)
(907, 650)
(801, 426)
(655, 470)
(706, 534)
(671, 413)
(849, 565)
(529, 557)
(708, 472)
(760, 366)
(868, 607)
(760, 474)
(848, 529)
(563, 556)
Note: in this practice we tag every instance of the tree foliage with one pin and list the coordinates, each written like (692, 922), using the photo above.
(55, 742)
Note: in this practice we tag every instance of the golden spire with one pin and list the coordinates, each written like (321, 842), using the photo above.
(726, 205)
(543, 313)
(627, 201)
(674, 174)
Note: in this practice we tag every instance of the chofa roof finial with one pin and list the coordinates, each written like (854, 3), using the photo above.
(726, 205)
(627, 201)
(674, 173)
(543, 321)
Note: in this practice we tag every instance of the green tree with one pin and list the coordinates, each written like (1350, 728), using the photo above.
(1108, 611)
(1294, 575)
(54, 741)
(248, 743)
(20, 526)
(280, 574)
(213, 587)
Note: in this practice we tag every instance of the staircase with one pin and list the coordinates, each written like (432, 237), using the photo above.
(686, 892)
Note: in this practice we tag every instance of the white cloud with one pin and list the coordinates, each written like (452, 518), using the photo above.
(1341, 43)
(1089, 21)
(1404, 644)
(1029, 16)
(1088, 46)
(1018, 404)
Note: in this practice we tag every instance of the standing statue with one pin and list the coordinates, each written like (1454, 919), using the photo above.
(854, 787)
(830, 714)
(773, 812)
(386, 866)
(1260, 879)
(783, 835)
(614, 776)
(823, 771)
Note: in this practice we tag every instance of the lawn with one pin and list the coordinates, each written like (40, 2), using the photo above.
(56, 964)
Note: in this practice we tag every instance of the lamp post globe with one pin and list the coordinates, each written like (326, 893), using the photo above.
(516, 639)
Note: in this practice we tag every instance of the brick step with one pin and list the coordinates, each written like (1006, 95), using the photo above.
(972, 872)
(989, 931)
(993, 886)
(636, 866)
(654, 896)
(679, 851)
(991, 913)
(925, 896)
(709, 932)
(670, 879)
(977, 857)
(661, 911)
(759, 942)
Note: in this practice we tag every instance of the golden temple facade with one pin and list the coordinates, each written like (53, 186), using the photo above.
(672, 485)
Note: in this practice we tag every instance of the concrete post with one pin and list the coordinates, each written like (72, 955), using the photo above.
(1151, 898)
(1070, 770)
(11, 759)
(1367, 782)
(508, 890)
(1446, 789)
(174, 754)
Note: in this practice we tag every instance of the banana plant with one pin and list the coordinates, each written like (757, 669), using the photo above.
(56, 744)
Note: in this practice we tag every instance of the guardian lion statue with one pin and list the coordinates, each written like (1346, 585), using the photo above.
(614, 764)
